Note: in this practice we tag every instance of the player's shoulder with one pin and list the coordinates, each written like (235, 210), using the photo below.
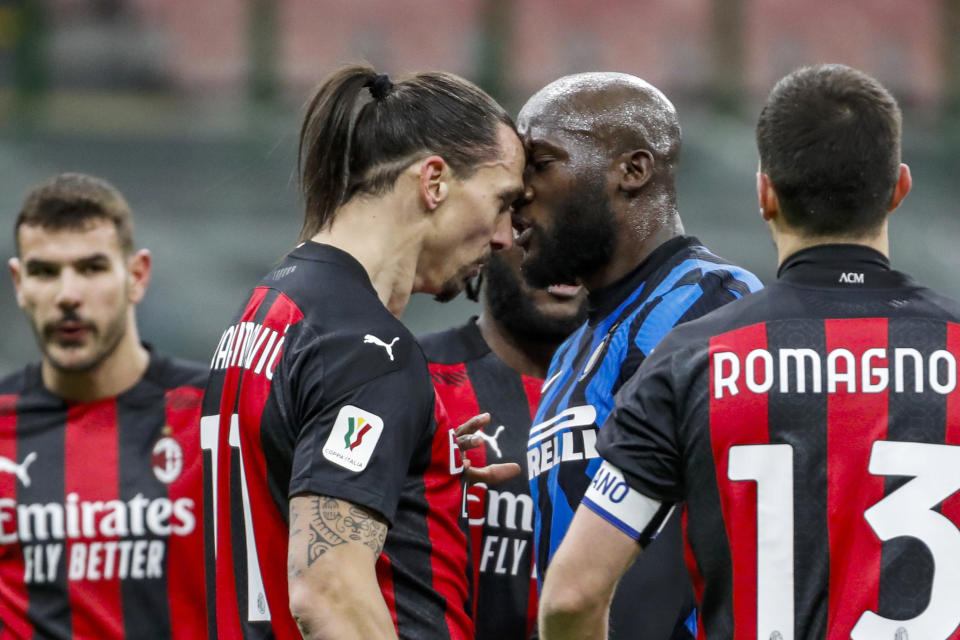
(932, 303)
(454, 345)
(20, 381)
(345, 352)
(743, 312)
(168, 372)
(700, 263)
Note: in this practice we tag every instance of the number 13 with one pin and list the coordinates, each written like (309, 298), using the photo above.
(935, 469)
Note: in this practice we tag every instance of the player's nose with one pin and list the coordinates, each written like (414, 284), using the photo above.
(502, 233)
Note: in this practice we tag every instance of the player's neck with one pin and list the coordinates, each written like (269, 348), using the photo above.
(523, 356)
(789, 242)
(631, 249)
(119, 371)
(385, 236)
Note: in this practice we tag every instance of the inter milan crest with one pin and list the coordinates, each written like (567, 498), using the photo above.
(166, 458)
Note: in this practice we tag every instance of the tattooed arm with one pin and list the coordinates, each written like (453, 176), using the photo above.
(333, 548)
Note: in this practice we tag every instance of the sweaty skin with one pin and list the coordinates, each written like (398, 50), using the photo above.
(606, 127)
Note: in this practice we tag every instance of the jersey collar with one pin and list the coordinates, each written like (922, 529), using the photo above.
(852, 266)
(605, 300)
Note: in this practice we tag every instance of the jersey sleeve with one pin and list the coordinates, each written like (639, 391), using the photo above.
(639, 437)
(360, 417)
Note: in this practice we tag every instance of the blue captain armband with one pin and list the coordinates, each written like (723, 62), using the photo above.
(611, 498)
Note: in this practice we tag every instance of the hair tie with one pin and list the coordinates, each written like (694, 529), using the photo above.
(379, 86)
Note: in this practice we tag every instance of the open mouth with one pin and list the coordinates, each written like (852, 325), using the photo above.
(522, 231)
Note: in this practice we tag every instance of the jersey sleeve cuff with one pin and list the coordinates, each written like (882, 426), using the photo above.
(637, 515)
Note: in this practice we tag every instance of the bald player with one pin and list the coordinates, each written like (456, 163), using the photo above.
(601, 211)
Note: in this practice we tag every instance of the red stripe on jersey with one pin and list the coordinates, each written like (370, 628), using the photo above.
(532, 387)
(738, 420)
(951, 506)
(443, 491)
(855, 420)
(459, 401)
(270, 530)
(185, 582)
(95, 600)
(385, 581)
(228, 610)
(13, 591)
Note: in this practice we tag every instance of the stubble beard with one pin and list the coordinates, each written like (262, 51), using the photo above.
(105, 344)
(580, 242)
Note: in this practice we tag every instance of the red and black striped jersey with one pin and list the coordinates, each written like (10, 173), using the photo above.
(100, 509)
(470, 379)
(316, 388)
(813, 430)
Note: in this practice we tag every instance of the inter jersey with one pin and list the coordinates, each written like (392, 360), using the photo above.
(100, 509)
(813, 431)
(470, 379)
(681, 280)
(316, 388)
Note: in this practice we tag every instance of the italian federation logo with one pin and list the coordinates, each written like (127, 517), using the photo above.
(353, 438)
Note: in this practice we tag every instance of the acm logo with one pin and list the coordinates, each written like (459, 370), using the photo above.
(851, 277)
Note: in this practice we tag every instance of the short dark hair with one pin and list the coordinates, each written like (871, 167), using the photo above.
(72, 201)
(361, 131)
(829, 140)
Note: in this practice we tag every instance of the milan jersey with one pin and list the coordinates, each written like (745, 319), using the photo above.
(681, 280)
(813, 431)
(100, 532)
(317, 389)
(470, 379)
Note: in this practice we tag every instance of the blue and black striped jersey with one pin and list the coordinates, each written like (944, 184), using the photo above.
(680, 281)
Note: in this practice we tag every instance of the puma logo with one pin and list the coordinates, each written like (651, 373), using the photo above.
(492, 440)
(20, 470)
(372, 339)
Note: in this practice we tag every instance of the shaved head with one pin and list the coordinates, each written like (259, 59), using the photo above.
(602, 150)
(619, 111)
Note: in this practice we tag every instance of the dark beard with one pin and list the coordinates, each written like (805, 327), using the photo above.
(515, 310)
(581, 242)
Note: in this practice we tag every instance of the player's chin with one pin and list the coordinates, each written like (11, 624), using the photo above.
(451, 289)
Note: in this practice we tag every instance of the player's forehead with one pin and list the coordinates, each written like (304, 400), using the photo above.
(64, 245)
(506, 171)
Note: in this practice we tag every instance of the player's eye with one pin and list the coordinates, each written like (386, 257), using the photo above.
(92, 267)
(42, 269)
(540, 162)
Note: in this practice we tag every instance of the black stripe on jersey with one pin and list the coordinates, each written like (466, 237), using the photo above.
(40, 428)
(906, 565)
(806, 414)
(420, 610)
(717, 290)
(500, 391)
(146, 612)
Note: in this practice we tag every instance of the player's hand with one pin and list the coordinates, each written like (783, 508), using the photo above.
(467, 438)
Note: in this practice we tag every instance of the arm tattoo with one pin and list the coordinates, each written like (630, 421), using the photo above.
(332, 522)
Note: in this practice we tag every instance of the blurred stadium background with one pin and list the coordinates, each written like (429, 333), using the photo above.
(192, 109)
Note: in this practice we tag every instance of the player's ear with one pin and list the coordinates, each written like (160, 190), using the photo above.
(904, 183)
(15, 272)
(434, 189)
(767, 197)
(138, 269)
(635, 169)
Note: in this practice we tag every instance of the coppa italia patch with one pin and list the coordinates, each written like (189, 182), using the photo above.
(353, 438)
